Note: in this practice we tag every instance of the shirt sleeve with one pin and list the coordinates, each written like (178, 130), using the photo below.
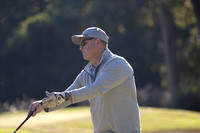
(115, 73)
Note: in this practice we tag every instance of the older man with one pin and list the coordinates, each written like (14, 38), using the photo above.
(107, 82)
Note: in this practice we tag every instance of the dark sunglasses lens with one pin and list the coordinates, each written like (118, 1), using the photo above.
(83, 41)
(82, 44)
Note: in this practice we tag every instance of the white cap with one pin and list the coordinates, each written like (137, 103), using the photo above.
(91, 32)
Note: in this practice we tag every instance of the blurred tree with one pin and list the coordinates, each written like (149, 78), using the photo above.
(167, 29)
(196, 7)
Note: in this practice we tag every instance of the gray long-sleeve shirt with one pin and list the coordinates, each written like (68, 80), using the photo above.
(111, 93)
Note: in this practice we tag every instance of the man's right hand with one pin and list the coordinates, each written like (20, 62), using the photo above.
(36, 107)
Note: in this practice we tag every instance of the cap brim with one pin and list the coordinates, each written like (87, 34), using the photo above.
(76, 39)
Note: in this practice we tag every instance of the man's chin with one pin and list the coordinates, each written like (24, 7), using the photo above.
(85, 58)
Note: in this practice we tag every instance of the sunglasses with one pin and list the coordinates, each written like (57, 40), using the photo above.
(83, 41)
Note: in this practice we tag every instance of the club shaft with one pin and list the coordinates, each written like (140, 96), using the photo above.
(21, 125)
(24, 121)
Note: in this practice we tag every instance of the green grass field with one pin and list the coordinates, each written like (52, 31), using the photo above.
(77, 120)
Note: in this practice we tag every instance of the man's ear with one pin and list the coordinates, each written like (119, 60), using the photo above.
(98, 41)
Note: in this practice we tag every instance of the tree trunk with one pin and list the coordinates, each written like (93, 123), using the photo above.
(196, 7)
(167, 29)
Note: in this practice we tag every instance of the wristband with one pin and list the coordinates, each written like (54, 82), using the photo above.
(66, 96)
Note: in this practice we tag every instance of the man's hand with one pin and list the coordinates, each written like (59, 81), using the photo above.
(55, 98)
(52, 100)
(36, 107)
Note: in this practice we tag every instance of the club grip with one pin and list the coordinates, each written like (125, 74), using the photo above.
(31, 113)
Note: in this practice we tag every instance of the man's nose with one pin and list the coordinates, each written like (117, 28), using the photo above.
(81, 48)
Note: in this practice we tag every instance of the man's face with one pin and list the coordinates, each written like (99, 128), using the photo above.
(89, 48)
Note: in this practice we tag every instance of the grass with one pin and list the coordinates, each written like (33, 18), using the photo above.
(77, 120)
(159, 119)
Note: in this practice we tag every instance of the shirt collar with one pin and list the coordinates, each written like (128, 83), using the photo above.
(92, 66)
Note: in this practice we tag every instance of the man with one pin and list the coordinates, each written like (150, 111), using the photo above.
(107, 82)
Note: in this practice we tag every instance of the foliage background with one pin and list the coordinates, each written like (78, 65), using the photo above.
(36, 52)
